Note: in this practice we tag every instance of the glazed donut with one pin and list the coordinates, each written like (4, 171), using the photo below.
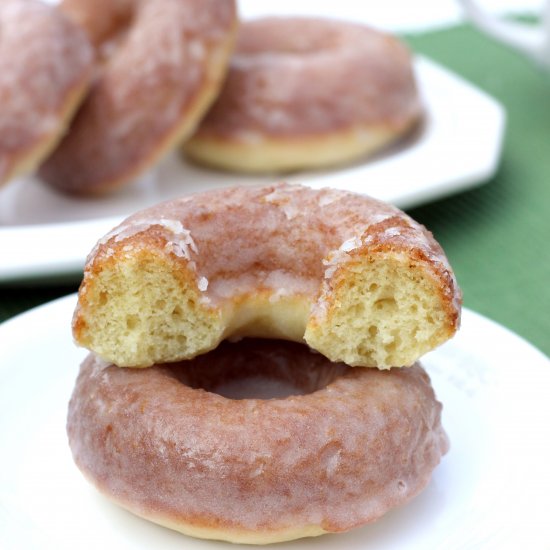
(161, 65)
(307, 93)
(351, 445)
(357, 279)
(45, 69)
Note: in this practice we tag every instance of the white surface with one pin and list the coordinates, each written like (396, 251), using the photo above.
(43, 233)
(490, 492)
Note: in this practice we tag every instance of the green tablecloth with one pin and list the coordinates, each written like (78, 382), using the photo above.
(496, 236)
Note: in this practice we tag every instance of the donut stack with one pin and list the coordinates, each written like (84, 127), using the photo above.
(253, 372)
(95, 92)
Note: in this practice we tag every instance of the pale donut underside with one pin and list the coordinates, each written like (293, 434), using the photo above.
(160, 65)
(357, 279)
(355, 443)
(46, 65)
(307, 93)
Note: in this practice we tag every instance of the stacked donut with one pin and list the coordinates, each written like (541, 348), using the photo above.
(253, 374)
(106, 88)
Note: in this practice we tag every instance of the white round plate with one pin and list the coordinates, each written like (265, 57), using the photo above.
(490, 492)
(46, 234)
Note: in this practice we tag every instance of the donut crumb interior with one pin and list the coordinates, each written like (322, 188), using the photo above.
(145, 313)
(388, 313)
(256, 368)
(384, 313)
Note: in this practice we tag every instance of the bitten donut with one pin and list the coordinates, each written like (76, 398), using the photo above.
(163, 443)
(307, 93)
(45, 69)
(160, 65)
(357, 279)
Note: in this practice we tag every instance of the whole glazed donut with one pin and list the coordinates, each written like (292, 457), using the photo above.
(357, 279)
(351, 445)
(45, 69)
(160, 65)
(306, 93)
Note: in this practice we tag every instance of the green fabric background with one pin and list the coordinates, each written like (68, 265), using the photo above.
(497, 236)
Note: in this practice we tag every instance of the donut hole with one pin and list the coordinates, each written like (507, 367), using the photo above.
(259, 369)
